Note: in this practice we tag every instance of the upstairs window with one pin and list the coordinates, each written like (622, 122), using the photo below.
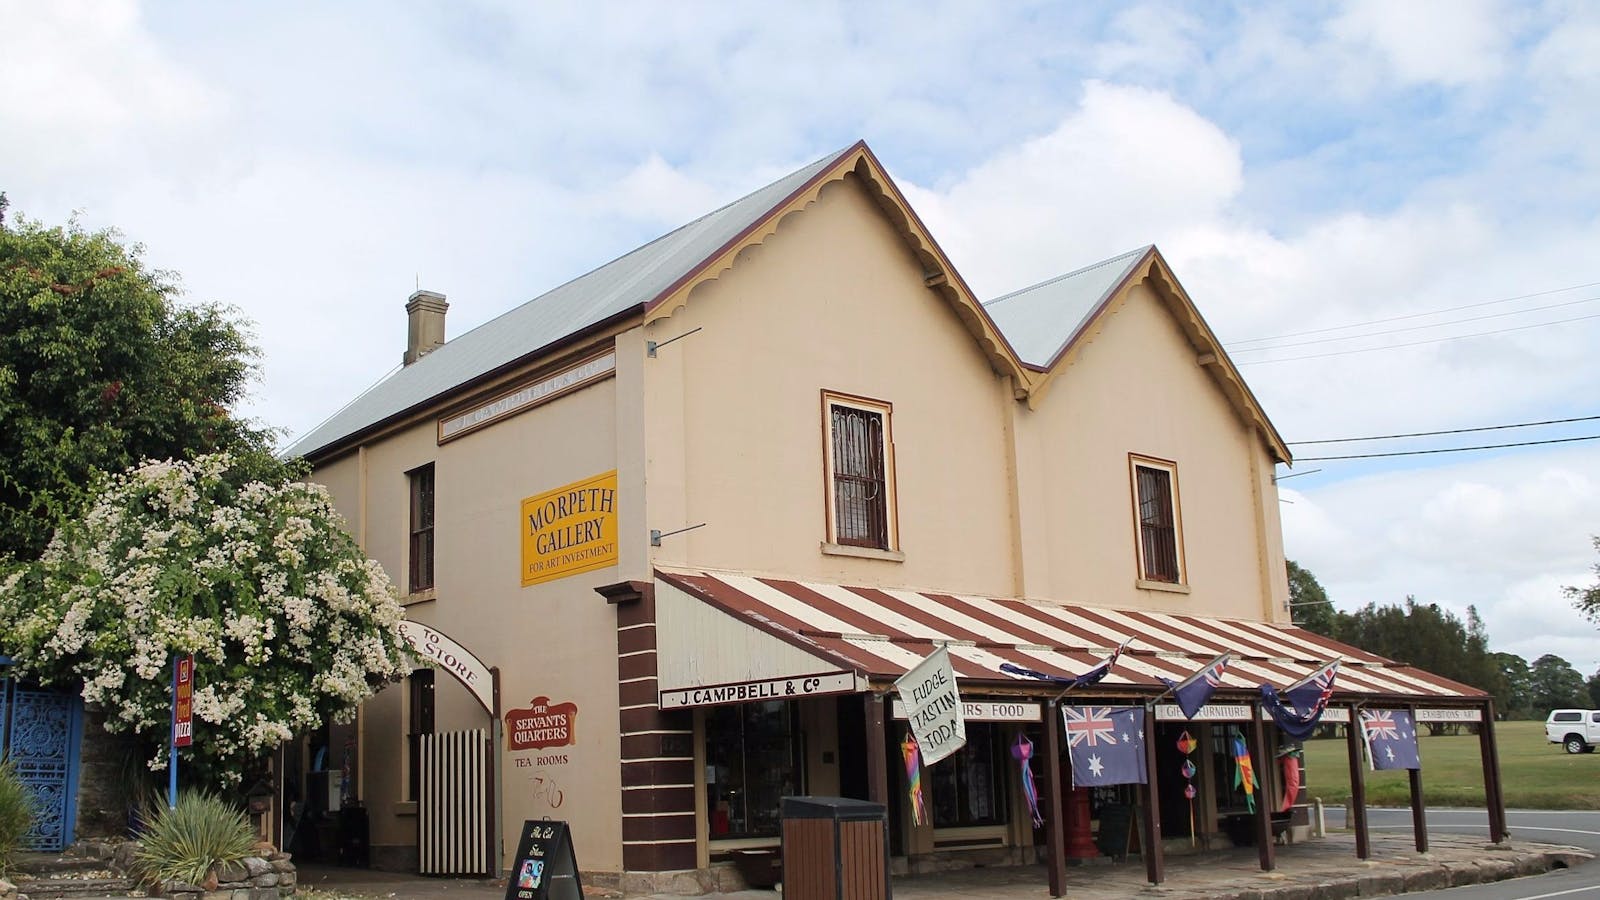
(421, 549)
(860, 473)
(1155, 485)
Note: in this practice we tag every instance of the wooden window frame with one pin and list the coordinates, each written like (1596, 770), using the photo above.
(418, 534)
(420, 720)
(1146, 578)
(832, 543)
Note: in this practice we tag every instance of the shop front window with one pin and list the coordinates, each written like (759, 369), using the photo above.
(752, 758)
(969, 786)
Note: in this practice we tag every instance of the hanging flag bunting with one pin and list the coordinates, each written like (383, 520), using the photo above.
(1298, 708)
(1106, 745)
(1391, 739)
(919, 805)
(933, 706)
(1022, 751)
(1196, 690)
(1289, 763)
(1186, 746)
(1093, 676)
(1244, 776)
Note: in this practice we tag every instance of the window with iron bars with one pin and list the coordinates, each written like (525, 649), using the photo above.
(860, 474)
(1160, 541)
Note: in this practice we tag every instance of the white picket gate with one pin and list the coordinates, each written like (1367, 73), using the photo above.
(453, 807)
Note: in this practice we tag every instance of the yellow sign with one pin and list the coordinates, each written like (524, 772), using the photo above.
(569, 530)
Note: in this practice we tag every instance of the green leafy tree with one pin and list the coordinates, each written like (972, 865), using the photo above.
(1516, 701)
(1587, 599)
(1594, 690)
(1556, 684)
(289, 622)
(101, 367)
(1309, 606)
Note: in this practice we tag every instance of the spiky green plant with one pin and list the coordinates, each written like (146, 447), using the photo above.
(16, 814)
(183, 844)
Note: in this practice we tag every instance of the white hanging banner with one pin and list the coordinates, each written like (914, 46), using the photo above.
(933, 706)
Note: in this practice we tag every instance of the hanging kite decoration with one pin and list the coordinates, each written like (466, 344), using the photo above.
(919, 805)
(1022, 751)
(1289, 764)
(1244, 776)
(1187, 745)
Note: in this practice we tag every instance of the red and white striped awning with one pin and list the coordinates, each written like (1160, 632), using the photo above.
(881, 633)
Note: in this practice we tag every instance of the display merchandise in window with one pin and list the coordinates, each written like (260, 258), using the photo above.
(969, 786)
(751, 765)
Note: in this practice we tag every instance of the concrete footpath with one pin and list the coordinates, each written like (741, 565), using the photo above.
(1324, 869)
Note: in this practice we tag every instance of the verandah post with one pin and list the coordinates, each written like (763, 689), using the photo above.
(1358, 786)
(1055, 838)
(1154, 864)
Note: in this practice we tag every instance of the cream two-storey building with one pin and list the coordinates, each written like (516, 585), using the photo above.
(701, 506)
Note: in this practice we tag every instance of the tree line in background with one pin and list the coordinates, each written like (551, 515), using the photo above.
(1436, 639)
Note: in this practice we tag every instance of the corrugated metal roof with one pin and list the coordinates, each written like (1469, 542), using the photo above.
(885, 632)
(1039, 320)
(614, 288)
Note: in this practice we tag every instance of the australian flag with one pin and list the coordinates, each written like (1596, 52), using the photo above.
(1196, 690)
(1106, 745)
(1093, 676)
(1310, 695)
(1391, 739)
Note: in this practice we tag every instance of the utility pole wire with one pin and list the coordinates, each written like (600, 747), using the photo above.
(1262, 362)
(1590, 437)
(1386, 437)
(1414, 315)
(1499, 315)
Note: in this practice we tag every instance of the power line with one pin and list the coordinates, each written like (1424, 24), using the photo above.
(1415, 315)
(1385, 437)
(1591, 437)
(1262, 362)
(1499, 315)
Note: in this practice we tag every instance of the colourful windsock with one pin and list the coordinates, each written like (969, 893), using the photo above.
(919, 805)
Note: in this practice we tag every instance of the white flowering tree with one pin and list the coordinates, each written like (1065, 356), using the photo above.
(289, 623)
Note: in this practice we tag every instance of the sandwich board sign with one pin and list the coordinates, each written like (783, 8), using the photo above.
(546, 867)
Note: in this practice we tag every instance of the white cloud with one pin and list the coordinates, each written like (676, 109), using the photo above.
(1449, 42)
(311, 164)
(86, 87)
(1129, 167)
(1504, 534)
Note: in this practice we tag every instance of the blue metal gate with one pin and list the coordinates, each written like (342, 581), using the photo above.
(39, 735)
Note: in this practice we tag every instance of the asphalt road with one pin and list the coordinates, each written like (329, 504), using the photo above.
(1577, 828)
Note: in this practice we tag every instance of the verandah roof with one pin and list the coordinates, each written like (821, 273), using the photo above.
(882, 633)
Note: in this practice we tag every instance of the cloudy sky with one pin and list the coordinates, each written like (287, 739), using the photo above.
(1390, 211)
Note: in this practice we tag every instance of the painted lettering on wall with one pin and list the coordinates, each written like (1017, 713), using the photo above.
(569, 530)
(541, 726)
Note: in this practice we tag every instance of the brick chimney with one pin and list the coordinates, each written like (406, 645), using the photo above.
(424, 324)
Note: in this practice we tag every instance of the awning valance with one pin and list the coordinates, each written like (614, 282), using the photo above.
(881, 633)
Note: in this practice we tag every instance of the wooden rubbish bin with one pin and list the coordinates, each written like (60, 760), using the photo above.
(835, 848)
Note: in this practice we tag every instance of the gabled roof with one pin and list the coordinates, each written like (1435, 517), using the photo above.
(1046, 322)
(1039, 320)
(623, 286)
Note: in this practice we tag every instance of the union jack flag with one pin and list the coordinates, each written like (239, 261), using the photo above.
(1089, 726)
(1381, 725)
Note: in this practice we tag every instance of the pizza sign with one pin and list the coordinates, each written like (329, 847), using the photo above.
(542, 725)
(183, 703)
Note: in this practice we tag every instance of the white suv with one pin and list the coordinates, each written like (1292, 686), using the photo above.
(1576, 730)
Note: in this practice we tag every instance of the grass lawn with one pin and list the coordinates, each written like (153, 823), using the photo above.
(1534, 774)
